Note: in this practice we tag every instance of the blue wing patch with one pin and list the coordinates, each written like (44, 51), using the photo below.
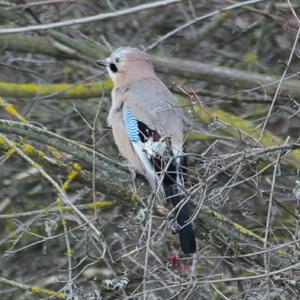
(131, 125)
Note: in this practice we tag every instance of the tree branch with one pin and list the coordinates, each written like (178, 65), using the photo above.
(99, 17)
(212, 221)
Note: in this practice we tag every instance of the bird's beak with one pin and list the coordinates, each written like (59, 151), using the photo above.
(102, 63)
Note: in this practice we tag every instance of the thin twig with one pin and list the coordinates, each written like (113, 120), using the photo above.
(201, 18)
(61, 193)
(90, 19)
(280, 85)
(267, 255)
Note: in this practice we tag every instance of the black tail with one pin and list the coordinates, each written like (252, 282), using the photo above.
(168, 166)
(186, 234)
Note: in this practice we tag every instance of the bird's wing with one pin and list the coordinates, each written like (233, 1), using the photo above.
(154, 126)
(154, 105)
(162, 170)
(140, 147)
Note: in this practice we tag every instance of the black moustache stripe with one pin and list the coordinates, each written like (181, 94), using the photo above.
(113, 68)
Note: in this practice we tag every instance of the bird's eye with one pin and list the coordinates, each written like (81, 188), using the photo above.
(118, 59)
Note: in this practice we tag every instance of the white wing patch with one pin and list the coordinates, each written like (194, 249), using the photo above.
(149, 172)
(177, 151)
(156, 148)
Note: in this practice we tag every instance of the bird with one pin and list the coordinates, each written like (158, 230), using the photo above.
(147, 127)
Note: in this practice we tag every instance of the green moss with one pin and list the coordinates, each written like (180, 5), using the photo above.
(64, 90)
(237, 127)
(247, 232)
(241, 229)
(38, 290)
(250, 58)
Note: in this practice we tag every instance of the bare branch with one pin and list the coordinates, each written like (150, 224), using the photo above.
(90, 19)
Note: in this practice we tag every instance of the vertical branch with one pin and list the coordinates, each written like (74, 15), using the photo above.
(267, 255)
(279, 85)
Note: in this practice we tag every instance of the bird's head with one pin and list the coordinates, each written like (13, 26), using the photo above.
(126, 64)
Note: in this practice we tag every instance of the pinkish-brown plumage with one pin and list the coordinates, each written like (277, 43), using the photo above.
(137, 86)
(147, 127)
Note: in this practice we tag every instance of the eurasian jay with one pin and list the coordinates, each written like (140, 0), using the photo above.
(147, 126)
